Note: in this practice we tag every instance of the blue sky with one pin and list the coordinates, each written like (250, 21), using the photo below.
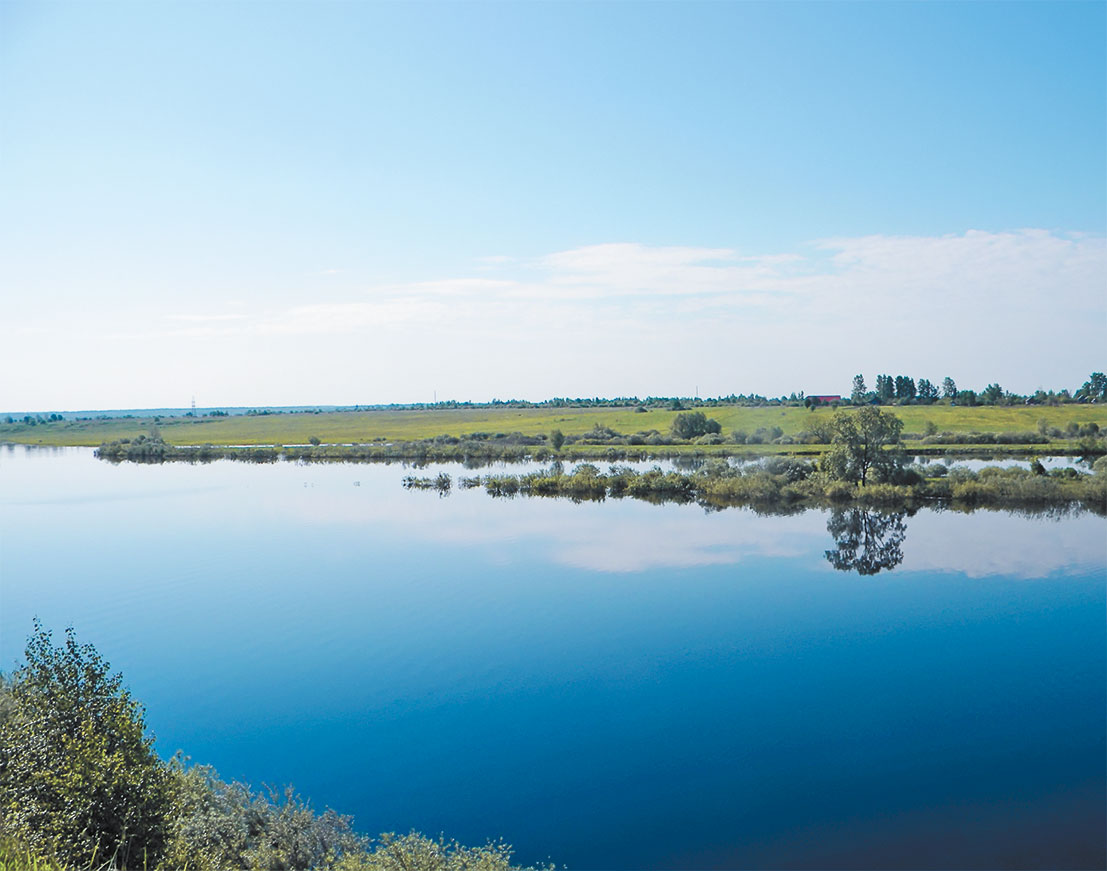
(281, 203)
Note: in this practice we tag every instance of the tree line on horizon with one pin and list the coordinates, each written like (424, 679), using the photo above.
(903, 390)
(888, 390)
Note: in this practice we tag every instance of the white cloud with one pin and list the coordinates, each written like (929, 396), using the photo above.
(623, 319)
(890, 279)
(198, 318)
(632, 269)
(332, 318)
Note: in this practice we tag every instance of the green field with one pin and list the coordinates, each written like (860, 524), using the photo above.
(407, 425)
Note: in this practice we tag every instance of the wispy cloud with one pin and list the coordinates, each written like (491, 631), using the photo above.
(626, 318)
(354, 317)
(889, 278)
(204, 318)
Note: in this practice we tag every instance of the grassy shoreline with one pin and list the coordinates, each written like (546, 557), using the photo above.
(481, 454)
(410, 425)
(785, 485)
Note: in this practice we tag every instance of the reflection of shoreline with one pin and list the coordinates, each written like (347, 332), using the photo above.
(867, 542)
(620, 535)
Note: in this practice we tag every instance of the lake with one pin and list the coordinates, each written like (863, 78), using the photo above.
(608, 685)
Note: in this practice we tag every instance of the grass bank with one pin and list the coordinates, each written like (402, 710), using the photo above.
(408, 425)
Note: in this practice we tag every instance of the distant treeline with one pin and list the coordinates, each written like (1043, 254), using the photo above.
(904, 390)
(888, 390)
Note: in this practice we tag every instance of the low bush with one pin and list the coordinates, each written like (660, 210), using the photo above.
(82, 790)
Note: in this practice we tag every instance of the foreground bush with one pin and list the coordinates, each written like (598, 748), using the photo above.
(415, 852)
(218, 825)
(82, 790)
(78, 775)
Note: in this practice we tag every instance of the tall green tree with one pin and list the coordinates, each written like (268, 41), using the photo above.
(949, 388)
(905, 387)
(927, 391)
(885, 388)
(857, 395)
(866, 444)
(992, 394)
(78, 773)
(1093, 390)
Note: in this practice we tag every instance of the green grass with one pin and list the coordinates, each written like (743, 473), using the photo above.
(406, 425)
(14, 856)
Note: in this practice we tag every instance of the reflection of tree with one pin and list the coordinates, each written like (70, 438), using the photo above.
(868, 541)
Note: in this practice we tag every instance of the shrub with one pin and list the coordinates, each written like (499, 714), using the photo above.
(790, 468)
(599, 433)
(219, 825)
(693, 424)
(840, 491)
(415, 852)
(78, 775)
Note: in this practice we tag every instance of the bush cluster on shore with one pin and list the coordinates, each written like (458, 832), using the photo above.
(479, 449)
(81, 789)
(789, 482)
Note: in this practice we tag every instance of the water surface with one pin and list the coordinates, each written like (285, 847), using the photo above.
(612, 685)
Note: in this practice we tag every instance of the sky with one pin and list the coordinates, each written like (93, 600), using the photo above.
(263, 203)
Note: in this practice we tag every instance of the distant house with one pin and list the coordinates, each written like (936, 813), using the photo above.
(827, 400)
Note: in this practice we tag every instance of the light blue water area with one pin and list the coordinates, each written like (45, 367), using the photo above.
(612, 685)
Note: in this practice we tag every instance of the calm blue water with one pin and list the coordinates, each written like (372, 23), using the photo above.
(613, 685)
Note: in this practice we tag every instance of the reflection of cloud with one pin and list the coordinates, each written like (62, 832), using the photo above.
(995, 543)
(612, 536)
(630, 536)
(626, 535)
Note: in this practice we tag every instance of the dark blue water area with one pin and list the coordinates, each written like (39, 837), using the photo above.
(613, 685)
